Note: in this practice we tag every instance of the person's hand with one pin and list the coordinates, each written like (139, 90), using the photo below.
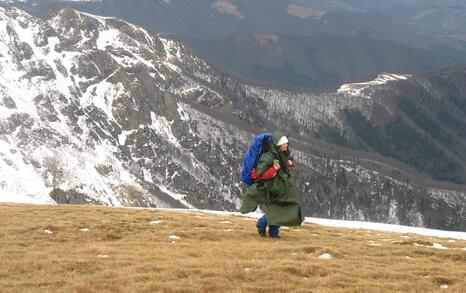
(276, 164)
(290, 163)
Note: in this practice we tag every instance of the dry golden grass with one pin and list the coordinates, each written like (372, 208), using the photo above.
(124, 252)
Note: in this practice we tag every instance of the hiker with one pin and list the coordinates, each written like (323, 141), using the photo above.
(274, 189)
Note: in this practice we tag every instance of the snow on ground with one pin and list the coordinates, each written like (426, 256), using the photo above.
(326, 256)
(386, 227)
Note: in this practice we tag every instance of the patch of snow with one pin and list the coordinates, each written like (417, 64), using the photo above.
(357, 89)
(325, 256)
(434, 245)
(174, 237)
(438, 246)
(155, 222)
(177, 196)
(386, 228)
(124, 134)
(102, 256)
(162, 126)
(183, 115)
(102, 95)
(147, 175)
(171, 47)
(444, 286)
(84, 230)
(110, 37)
(14, 187)
(225, 222)
(47, 231)
(11, 197)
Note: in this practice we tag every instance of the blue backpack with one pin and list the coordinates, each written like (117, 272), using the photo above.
(260, 144)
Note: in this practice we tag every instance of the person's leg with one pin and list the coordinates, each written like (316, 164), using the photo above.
(274, 230)
(261, 225)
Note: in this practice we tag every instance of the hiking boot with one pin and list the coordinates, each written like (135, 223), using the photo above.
(274, 230)
(261, 230)
(261, 226)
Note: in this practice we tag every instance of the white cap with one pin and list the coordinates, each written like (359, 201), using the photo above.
(282, 140)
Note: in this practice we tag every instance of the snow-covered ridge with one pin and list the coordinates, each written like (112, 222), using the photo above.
(67, 85)
(357, 89)
(85, 97)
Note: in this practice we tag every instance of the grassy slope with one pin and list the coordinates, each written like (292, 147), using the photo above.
(123, 252)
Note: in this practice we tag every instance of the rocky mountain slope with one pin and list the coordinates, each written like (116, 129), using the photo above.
(97, 110)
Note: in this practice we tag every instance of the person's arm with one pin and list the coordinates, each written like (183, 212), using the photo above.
(263, 167)
(269, 174)
(267, 167)
(290, 161)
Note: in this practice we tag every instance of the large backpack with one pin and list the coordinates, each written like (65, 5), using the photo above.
(260, 144)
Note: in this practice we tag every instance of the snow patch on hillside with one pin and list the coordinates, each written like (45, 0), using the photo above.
(357, 89)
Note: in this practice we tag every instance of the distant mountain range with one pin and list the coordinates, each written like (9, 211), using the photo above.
(97, 110)
(300, 43)
(320, 61)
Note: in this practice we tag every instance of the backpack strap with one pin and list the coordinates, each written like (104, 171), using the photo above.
(264, 148)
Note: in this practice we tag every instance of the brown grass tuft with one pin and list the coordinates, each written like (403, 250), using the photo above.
(137, 250)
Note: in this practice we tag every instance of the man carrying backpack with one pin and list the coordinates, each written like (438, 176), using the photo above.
(274, 188)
